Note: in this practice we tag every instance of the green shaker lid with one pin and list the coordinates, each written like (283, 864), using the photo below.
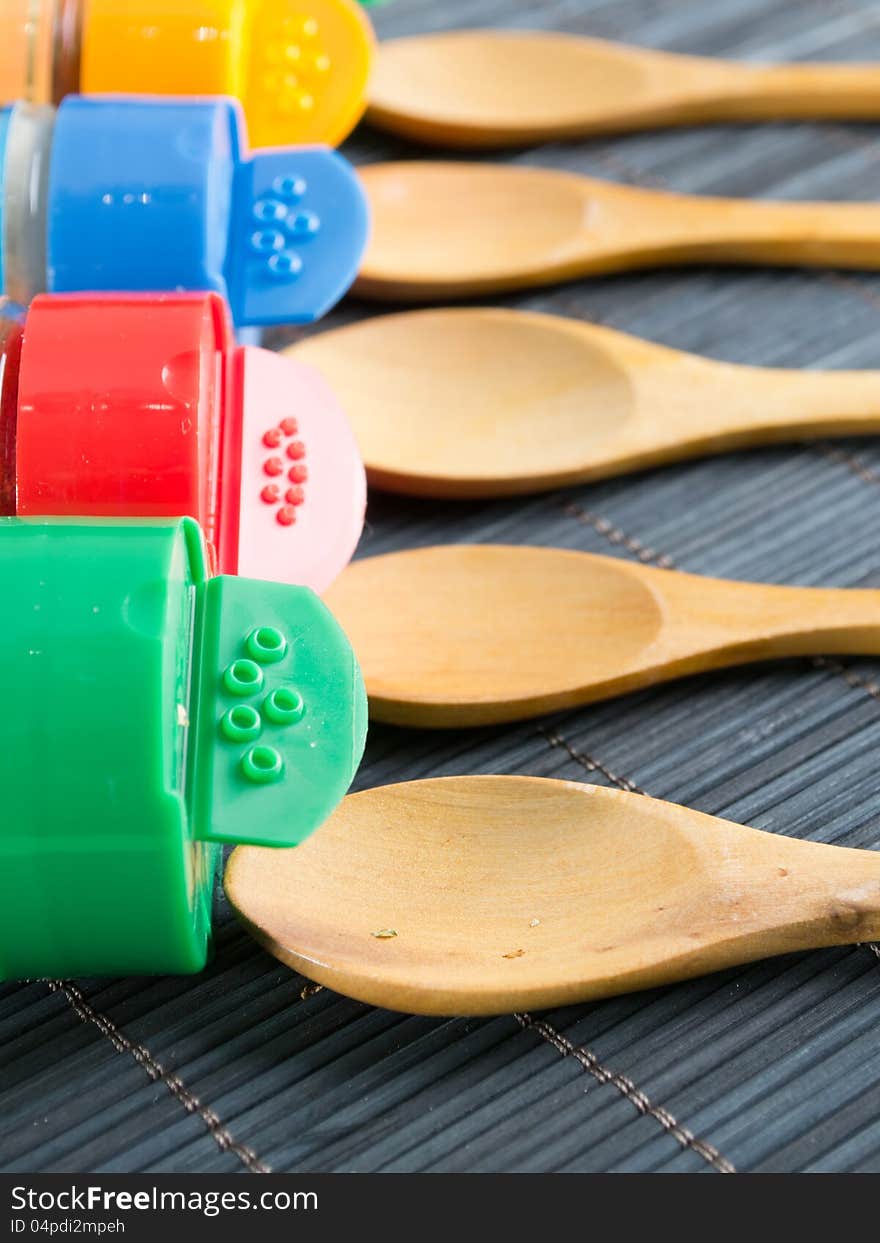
(151, 713)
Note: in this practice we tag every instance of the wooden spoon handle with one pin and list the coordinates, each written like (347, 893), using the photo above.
(779, 92)
(675, 228)
(817, 403)
(722, 406)
(728, 623)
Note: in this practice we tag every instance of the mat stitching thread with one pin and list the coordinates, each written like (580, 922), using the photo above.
(157, 1073)
(615, 535)
(640, 1101)
(589, 762)
(833, 277)
(852, 679)
(849, 460)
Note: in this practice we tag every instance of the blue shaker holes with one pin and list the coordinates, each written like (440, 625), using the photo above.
(283, 223)
(285, 264)
(269, 210)
(303, 224)
(290, 188)
(267, 241)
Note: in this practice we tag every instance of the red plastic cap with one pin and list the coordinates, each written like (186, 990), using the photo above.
(121, 401)
(295, 478)
(142, 406)
(10, 356)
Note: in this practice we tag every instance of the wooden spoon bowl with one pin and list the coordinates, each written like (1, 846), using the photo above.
(478, 634)
(482, 895)
(481, 402)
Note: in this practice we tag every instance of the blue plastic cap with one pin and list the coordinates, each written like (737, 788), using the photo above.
(140, 194)
(161, 194)
(299, 229)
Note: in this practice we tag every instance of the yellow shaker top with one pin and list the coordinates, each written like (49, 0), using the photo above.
(300, 67)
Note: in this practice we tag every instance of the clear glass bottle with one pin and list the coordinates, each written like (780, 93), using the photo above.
(25, 151)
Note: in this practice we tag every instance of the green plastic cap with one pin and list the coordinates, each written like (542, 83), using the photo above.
(151, 713)
(281, 714)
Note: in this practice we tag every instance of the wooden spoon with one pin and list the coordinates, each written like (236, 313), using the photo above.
(479, 402)
(472, 634)
(445, 229)
(482, 895)
(494, 88)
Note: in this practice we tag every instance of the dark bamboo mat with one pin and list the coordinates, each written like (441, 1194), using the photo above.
(771, 1067)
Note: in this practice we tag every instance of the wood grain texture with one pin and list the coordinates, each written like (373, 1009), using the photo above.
(492, 88)
(480, 634)
(775, 1064)
(477, 402)
(442, 229)
(483, 895)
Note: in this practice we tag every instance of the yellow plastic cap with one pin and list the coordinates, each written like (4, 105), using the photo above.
(300, 67)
